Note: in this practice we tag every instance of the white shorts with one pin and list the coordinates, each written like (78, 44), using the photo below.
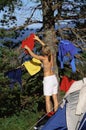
(50, 85)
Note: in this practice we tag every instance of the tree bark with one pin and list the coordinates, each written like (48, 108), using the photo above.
(49, 30)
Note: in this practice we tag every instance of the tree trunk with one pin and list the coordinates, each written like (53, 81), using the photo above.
(49, 31)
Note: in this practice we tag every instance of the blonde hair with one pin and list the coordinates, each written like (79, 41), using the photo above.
(46, 52)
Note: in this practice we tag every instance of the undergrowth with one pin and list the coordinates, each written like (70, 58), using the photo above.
(24, 121)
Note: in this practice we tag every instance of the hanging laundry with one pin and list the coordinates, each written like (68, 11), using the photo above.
(25, 57)
(29, 41)
(66, 83)
(14, 76)
(33, 66)
(66, 52)
(66, 59)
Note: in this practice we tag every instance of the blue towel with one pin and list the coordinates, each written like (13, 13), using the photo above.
(14, 76)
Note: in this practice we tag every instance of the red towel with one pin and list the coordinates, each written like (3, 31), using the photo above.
(66, 83)
(29, 41)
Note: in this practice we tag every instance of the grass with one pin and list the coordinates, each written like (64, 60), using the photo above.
(24, 121)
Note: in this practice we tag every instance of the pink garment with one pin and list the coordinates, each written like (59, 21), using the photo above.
(29, 41)
(66, 83)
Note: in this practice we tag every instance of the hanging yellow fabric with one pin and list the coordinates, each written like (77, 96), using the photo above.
(33, 66)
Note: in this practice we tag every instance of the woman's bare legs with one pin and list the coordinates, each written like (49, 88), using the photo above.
(48, 104)
(55, 101)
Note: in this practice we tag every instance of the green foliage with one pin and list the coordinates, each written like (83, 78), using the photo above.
(14, 101)
(18, 110)
(24, 121)
(84, 54)
(8, 6)
(9, 102)
(6, 33)
(9, 3)
(8, 58)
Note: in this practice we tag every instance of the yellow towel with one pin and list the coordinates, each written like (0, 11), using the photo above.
(33, 66)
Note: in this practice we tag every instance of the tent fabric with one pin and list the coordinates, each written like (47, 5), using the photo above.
(81, 106)
(66, 52)
(14, 76)
(33, 66)
(77, 85)
(74, 109)
(66, 83)
(82, 125)
(74, 96)
(72, 118)
(57, 121)
(29, 41)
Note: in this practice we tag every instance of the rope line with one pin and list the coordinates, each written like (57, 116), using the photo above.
(39, 120)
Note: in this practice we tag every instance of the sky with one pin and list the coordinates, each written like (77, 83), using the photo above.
(23, 13)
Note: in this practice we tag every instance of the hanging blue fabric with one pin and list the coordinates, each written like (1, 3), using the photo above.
(66, 53)
(72, 63)
(14, 76)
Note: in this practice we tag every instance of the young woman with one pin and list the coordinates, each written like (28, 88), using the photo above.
(50, 83)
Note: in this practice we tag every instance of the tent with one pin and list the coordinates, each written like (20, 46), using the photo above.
(71, 114)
